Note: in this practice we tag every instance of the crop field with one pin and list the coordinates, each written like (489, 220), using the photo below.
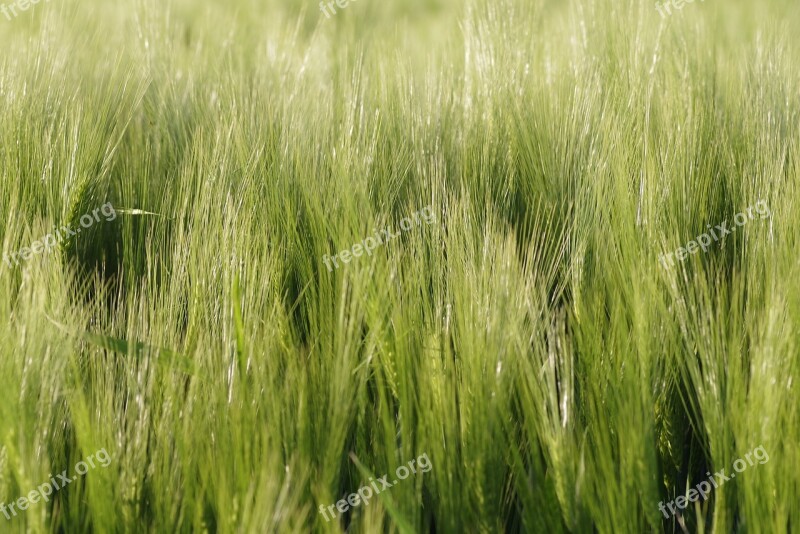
(400, 266)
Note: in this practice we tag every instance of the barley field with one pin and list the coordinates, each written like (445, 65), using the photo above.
(400, 266)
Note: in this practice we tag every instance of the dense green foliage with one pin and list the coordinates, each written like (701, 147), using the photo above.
(529, 342)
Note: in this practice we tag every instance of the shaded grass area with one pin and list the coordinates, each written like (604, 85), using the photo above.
(529, 342)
